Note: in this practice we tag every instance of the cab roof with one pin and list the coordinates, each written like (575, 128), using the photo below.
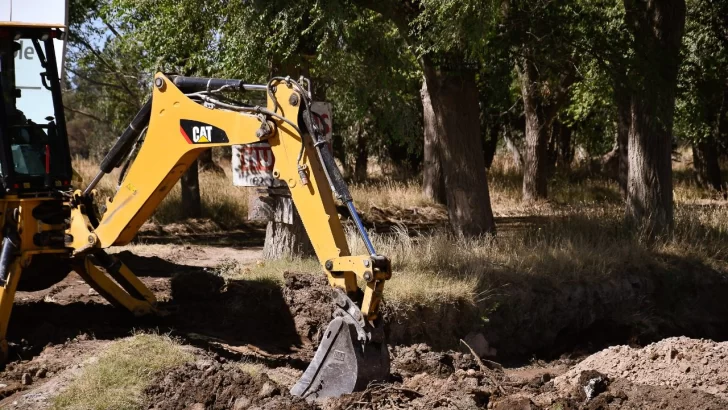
(20, 24)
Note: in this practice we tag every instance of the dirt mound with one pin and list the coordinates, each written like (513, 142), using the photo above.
(310, 300)
(207, 384)
(678, 362)
(596, 391)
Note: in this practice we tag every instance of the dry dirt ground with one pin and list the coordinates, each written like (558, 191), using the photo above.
(253, 339)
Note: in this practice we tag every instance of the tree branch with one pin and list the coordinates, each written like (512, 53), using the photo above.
(86, 114)
(94, 82)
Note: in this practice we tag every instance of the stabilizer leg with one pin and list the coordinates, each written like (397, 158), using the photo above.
(7, 298)
(125, 290)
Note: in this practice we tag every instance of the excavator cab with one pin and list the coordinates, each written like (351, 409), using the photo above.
(34, 154)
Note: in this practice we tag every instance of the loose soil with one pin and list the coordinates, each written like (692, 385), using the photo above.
(253, 340)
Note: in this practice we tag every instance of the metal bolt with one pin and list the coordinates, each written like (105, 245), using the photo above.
(91, 239)
(368, 275)
(366, 263)
(293, 100)
(159, 82)
(329, 265)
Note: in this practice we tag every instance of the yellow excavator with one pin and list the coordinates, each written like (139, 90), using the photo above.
(49, 227)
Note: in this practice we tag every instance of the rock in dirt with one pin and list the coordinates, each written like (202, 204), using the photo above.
(26, 379)
(679, 363)
(218, 387)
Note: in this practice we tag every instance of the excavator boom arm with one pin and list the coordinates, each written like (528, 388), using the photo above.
(185, 117)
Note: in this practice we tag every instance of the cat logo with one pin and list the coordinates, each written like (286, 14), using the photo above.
(196, 132)
(201, 134)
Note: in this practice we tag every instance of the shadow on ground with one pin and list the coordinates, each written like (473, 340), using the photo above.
(195, 304)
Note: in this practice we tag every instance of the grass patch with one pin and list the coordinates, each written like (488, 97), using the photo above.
(117, 380)
(386, 192)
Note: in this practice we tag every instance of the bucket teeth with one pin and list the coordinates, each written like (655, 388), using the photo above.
(342, 364)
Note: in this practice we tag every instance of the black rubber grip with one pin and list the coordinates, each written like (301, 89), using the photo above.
(125, 143)
(194, 84)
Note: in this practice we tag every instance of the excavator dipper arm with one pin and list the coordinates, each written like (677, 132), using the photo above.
(184, 118)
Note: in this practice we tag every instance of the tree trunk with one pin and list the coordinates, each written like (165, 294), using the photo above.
(535, 155)
(433, 180)
(513, 148)
(285, 235)
(706, 164)
(190, 185)
(564, 150)
(452, 118)
(362, 155)
(624, 121)
(491, 144)
(657, 27)
(207, 164)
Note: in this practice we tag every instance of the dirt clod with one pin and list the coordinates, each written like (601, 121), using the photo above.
(410, 360)
(26, 379)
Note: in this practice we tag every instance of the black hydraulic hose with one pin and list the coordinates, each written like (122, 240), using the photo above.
(124, 144)
(195, 84)
(336, 180)
(10, 245)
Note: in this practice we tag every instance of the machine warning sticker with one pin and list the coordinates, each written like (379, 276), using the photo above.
(196, 132)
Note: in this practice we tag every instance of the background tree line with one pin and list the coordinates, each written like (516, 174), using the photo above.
(433, 87)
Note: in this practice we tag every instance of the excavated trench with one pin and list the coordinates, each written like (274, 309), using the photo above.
(279, 327)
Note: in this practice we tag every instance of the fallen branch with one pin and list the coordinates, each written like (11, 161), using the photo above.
(484, 368)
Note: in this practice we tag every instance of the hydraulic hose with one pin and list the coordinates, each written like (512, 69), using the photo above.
(336, 180)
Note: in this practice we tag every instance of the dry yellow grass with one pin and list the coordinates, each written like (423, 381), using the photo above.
(121, 373)
(221, 201)
(577, 235)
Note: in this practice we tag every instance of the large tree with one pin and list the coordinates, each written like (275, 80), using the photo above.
(543, 37)
(657, 29)
(454, 167)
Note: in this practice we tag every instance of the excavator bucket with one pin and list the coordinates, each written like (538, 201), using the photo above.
(343, 364)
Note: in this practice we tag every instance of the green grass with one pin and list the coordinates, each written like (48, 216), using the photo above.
(117, 380)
